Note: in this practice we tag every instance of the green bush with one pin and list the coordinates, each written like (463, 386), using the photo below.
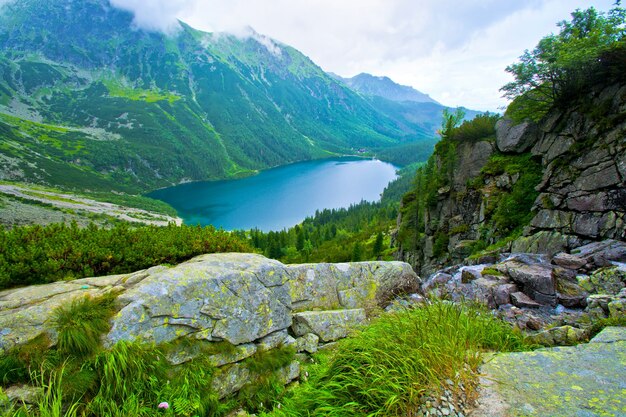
(42, 254)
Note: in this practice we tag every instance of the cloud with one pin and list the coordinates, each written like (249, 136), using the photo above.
(154, 15)
(455, 51)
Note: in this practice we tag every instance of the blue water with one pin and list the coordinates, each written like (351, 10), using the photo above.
(279, 197)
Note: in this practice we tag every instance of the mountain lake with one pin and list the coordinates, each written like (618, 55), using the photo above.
(280, 197)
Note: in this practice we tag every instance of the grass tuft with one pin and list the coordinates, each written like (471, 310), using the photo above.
(388, 367)
(82, 323)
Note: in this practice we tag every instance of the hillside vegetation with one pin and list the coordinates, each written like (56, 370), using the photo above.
(89, 102)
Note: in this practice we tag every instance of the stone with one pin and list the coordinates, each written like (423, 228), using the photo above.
(307, 343)
(548, 242)
(328, 325)
(563, 381)
(24, 394)
(230, 379)
(515, 138)
(534, 279)
(617, 308)
(470, 273)
(349, 285)
(438, 279)
(521, 300)
(568, 261)
(234, 297)
(607, 280)
(274, 340)
(237, 354)
(597, 177)
(600, 254)
(570, 294)
(502, 293)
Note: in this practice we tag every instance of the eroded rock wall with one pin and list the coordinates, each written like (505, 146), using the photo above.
(580, 155)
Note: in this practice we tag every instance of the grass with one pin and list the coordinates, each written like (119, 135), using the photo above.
(390, 366)
(81, 324)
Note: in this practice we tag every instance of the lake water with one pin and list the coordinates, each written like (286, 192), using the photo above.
(279, 197)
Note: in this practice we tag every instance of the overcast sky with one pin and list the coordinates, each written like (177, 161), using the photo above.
(454, 50)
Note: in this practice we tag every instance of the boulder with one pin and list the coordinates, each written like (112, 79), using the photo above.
(328, 325)
(502, 293)
(234, 297)
(571, 295)
(349, 285)
(307, 343)
(515, 138)
(568, 261)
(521, 300)
(600, 254)
(534, 279)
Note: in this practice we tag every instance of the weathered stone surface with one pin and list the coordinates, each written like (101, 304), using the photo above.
(234, 297)
(328, 325)
(547, 242)
(502, 293)
(515, 138)
(24, 394)
(470, 273)
(573, 381)
(571, 295)
(534, 279)
(605, 281)
(569, 261)
(229, 379)
(521, 300)
(274, 340)
(331, 286)
(600, 254)
(307, 343)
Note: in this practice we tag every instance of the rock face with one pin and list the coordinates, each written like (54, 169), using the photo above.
(561, 381)
(246, 300)
(580, 178)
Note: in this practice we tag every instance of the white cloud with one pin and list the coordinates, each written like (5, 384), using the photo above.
(455, 51)
(154, 15)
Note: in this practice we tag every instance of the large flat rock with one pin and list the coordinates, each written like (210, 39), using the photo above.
(578, 381)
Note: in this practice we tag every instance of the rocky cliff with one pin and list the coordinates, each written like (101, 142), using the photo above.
(541, 187)
(244, 302)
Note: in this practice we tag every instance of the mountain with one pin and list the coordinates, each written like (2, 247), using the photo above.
(89, 101)
(371, 85)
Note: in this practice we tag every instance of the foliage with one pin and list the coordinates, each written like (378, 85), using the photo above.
(561, 65)
(388, 367)
(81, 324)
(437, 174)
(407, 154)
(36, 254)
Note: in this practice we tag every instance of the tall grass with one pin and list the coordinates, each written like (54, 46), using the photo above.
(389, 366)
(81, 324)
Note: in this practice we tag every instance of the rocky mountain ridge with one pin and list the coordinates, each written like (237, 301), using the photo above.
(564, 178)
(381, 86)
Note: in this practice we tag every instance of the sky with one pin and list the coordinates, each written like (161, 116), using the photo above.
(454, 50)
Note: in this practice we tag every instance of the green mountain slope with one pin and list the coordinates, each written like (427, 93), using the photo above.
(91, 102)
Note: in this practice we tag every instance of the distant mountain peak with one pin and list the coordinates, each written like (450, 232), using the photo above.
(382, 86)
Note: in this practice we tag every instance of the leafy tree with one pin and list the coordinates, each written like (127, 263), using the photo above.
(561, 65)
